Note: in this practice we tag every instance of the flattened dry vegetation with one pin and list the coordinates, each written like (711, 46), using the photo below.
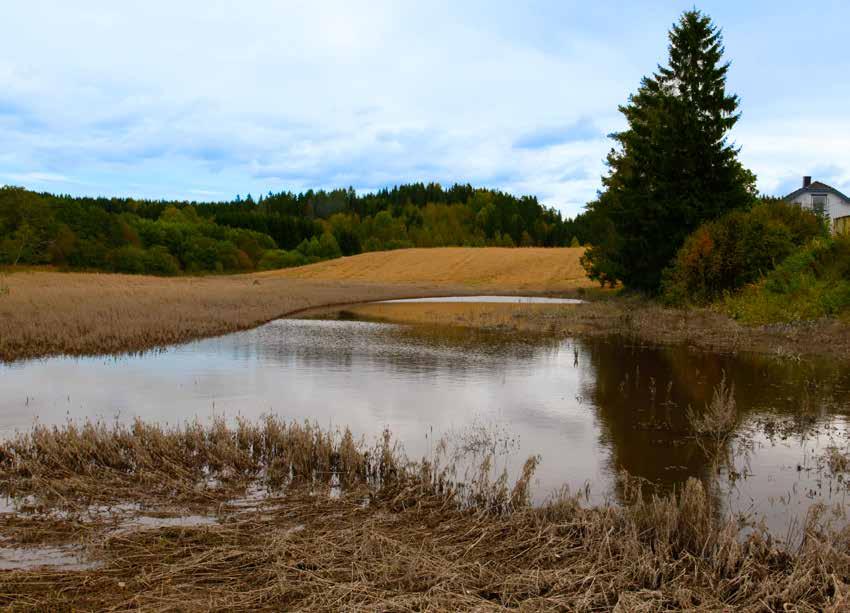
(49, 313)
(395, 535)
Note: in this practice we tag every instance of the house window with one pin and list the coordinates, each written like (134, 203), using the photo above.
(819, 203)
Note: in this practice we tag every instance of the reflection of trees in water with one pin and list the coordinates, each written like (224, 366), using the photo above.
(342, 345)
(641, 396)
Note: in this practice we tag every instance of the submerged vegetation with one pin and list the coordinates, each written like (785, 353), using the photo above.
(397, 535)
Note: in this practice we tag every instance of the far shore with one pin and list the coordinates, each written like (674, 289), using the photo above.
(46, 313)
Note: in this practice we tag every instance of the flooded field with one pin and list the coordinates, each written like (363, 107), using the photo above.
(484, 299)
(588, 408)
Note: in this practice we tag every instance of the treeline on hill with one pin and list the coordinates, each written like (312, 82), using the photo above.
(277, 231)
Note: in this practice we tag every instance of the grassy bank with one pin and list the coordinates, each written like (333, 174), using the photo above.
(399, 536)
(812, 283)
(49, 313)
(636, 319)
(46, 313)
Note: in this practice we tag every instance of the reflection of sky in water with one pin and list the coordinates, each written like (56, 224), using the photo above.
(488, 299)
(587, 407)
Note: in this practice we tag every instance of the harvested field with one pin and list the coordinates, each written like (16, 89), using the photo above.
(400, 536)
(534, 269)
(48, 313)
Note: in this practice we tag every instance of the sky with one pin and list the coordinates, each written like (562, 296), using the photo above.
(205, 99)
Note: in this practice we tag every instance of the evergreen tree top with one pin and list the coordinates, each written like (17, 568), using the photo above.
(695, 72)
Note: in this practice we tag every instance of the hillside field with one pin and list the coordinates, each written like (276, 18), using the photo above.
(535, 269)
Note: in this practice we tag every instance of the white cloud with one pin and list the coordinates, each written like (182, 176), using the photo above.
(153, 99)
(38, 177)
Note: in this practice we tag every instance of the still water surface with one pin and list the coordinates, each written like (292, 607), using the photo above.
(589, 408)
(487, 299)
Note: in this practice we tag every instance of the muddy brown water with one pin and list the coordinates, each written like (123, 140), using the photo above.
(588, 408)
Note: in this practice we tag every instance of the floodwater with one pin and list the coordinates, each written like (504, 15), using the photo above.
(588, 408)
(487, 299)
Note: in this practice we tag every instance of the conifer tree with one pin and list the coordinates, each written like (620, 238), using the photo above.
(674, 166)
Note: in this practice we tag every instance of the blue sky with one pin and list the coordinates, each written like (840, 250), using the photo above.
(205, 99)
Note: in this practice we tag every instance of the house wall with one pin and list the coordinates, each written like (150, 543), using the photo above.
(836, 206)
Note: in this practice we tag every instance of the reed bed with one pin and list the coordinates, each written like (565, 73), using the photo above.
(49, 313)
(398, 536)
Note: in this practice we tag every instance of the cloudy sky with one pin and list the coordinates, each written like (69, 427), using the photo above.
(200, 99)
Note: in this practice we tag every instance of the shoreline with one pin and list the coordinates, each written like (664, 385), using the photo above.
(635, 319)
(46, 314)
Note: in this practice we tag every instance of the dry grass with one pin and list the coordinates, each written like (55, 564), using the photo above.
(397, 539)
(530, 317)
(718, 419)
(637, 319)
(536, 269)
(47, 313)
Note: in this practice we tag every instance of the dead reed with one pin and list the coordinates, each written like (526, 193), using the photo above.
(50, 313)
(397, 538)
(717, 420)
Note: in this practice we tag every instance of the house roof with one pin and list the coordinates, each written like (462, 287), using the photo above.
(816, 186)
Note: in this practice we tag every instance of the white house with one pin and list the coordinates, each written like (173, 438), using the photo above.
(821, 197)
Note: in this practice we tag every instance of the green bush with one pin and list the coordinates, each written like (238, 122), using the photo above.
(128, 259)
(397, 243)
(323, 248)
(202, 255)
(739, 248)
(813, 282)
(279, 258)
(158, 261)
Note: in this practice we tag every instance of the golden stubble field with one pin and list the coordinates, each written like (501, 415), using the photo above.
(46, 313)
(534, 269)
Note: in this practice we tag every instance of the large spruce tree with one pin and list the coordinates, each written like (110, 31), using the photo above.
(674, 167)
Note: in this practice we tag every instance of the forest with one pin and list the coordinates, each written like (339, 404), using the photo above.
(277, 230)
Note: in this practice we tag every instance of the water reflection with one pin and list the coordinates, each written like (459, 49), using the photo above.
(590, 408)
(486, 299)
